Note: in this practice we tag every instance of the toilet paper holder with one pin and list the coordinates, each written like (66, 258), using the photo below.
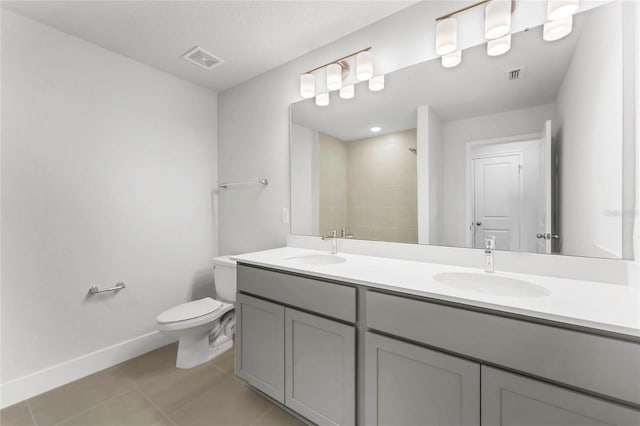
(96, 290)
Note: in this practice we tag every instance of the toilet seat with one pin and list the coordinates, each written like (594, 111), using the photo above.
(192, 314)
(189, 310)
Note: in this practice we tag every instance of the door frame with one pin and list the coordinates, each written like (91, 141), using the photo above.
(469, 175)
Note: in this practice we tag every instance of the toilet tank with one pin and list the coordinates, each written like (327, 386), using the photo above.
(224, 272)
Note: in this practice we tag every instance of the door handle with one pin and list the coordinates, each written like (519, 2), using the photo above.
(478, 223)
(548, 236)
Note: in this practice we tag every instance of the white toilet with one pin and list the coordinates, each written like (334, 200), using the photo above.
(205, 327)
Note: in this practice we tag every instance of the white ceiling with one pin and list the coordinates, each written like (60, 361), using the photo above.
(250, 36)
(478, 86)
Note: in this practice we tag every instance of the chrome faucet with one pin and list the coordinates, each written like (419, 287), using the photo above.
(334, 241)
(343, 233)
(489, 248)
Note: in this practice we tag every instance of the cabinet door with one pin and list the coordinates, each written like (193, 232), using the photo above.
(512, 400)
(260, 345)
(410, 385)
(320, 368)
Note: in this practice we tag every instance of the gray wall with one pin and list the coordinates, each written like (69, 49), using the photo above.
(590, 150)
(107, 172)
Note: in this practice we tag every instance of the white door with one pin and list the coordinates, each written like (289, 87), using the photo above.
(545, 233)
(497, 200)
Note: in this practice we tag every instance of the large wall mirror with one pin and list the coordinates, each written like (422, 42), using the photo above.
(526, 147)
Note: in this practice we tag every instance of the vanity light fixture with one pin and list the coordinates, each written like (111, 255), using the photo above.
(347, 92)
(497, 25)
(452, 59)
(322, 99)
(334, 76)
(446, 36)
(364, 65)
(560, 15)
(555, 30)
(307, 85)
(497, 19)
(338, 71)
(376, 83)
(499, 46)
(376, 129)
(558, 9)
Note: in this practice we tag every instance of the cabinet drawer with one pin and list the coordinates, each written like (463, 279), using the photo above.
(599, 364)
(334, 300)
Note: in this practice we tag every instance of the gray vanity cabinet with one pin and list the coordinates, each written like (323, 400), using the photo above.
(305, 361)
(260, 345)
(513, 400)
(296, 342)
(411, 385)
(320, 368)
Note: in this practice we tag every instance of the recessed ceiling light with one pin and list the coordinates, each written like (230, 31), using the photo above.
(376, 129)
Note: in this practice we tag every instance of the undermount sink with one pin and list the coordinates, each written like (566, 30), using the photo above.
(316, 259)
(491, 284)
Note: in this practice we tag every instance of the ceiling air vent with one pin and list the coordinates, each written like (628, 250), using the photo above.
(202, 58)
(516, 73)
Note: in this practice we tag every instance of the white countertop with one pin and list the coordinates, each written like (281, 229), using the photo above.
(609, 307)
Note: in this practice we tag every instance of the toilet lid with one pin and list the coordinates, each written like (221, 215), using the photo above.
(189, 310)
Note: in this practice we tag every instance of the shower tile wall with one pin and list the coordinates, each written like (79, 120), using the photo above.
(380, 177)
(333, 184)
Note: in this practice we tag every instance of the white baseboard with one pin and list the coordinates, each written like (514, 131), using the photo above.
(25, 387)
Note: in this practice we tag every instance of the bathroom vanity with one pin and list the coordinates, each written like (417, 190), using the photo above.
(346, 344)
(516, 150)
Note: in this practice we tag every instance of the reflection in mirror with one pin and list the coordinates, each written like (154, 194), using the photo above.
(526, 147)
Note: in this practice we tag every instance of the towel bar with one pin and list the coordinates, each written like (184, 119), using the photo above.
(96, 290)
(264, 182)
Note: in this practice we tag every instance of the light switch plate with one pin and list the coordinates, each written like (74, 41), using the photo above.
(285, 215)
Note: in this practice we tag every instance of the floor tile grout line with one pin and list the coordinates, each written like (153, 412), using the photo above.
(224, 371)
(133, 387)
(93, 406)
(262, 415)
(33, 416)
(117, 367)
(145, 396)
(162, 411)
(233, 376)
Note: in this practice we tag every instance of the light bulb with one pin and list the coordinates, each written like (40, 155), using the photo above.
(307, 85)
(376, 84)
(347, 92)
(364, 65)
(446, 36)
(322, 99)
(497, 19)
(555, 30)
(334, 77)
(452, 59)
(499, 46)
(558, 9)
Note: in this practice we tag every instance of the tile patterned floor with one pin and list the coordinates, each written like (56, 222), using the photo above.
(151, 391)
